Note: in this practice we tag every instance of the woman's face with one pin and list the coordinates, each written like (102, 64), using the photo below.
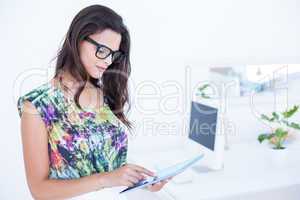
(93, 65)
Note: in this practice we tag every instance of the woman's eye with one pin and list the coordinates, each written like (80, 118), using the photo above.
(101, 50)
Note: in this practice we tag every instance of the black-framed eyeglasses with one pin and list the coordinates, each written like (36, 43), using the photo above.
(103, 51)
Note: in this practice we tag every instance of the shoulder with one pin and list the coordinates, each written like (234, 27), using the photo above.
(34, 96)
(38, 100)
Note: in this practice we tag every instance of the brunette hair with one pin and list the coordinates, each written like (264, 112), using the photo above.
(89, 20)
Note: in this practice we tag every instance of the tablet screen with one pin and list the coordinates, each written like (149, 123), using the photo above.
(165, 173)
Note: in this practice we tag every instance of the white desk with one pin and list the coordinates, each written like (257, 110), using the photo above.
(252, 171)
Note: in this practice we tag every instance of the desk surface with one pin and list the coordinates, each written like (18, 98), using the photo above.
(249, 168)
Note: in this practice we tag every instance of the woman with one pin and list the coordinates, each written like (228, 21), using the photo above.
(73, 127)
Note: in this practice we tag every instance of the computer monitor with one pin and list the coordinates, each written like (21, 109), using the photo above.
(206, 134)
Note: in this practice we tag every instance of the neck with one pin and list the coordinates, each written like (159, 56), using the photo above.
(72, 84)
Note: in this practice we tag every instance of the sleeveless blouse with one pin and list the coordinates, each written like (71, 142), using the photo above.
(80, 141)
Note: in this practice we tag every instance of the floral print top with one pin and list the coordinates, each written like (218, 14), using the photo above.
(80, 141)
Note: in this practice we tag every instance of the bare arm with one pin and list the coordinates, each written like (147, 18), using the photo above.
(36, 160)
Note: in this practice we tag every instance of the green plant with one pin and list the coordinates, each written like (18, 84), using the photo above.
(279, 135)
(202, 91)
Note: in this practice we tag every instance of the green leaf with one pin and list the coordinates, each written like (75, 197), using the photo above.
(204, 96)
(291, 112)
(263, 137)
(203, 87)
(265, 117)
(280, 133)
(275, 115)
(294, 125)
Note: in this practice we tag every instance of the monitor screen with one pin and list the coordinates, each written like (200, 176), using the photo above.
(203, 122)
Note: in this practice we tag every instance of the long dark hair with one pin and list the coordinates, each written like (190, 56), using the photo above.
(90, 20)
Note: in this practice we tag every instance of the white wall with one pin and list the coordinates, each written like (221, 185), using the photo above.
(166, 37)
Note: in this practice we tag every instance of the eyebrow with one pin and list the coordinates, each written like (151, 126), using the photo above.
(97, 43)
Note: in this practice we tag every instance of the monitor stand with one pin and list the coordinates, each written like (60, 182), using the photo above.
(188, 175)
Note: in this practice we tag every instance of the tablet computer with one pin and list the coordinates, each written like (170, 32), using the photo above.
(165, 174)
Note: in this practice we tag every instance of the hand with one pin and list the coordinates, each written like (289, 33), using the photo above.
(127, 175)
(158, 186)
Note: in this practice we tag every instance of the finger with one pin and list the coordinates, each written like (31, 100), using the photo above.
(155, 187)
(128, 183)
(135, 174)
(165, 182)
(132, 179)
(149, 187)
(152, 187)
(142, 170)
(160, 184)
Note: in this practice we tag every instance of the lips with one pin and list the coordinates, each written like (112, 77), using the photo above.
(102, 68)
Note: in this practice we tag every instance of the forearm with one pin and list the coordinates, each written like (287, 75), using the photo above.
(56, 189)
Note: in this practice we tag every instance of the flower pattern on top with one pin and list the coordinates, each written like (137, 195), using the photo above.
(80, 142)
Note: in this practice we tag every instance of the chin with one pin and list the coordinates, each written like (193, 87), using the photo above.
(95, 74)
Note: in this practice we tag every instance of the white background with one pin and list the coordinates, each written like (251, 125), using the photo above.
(166, 37)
